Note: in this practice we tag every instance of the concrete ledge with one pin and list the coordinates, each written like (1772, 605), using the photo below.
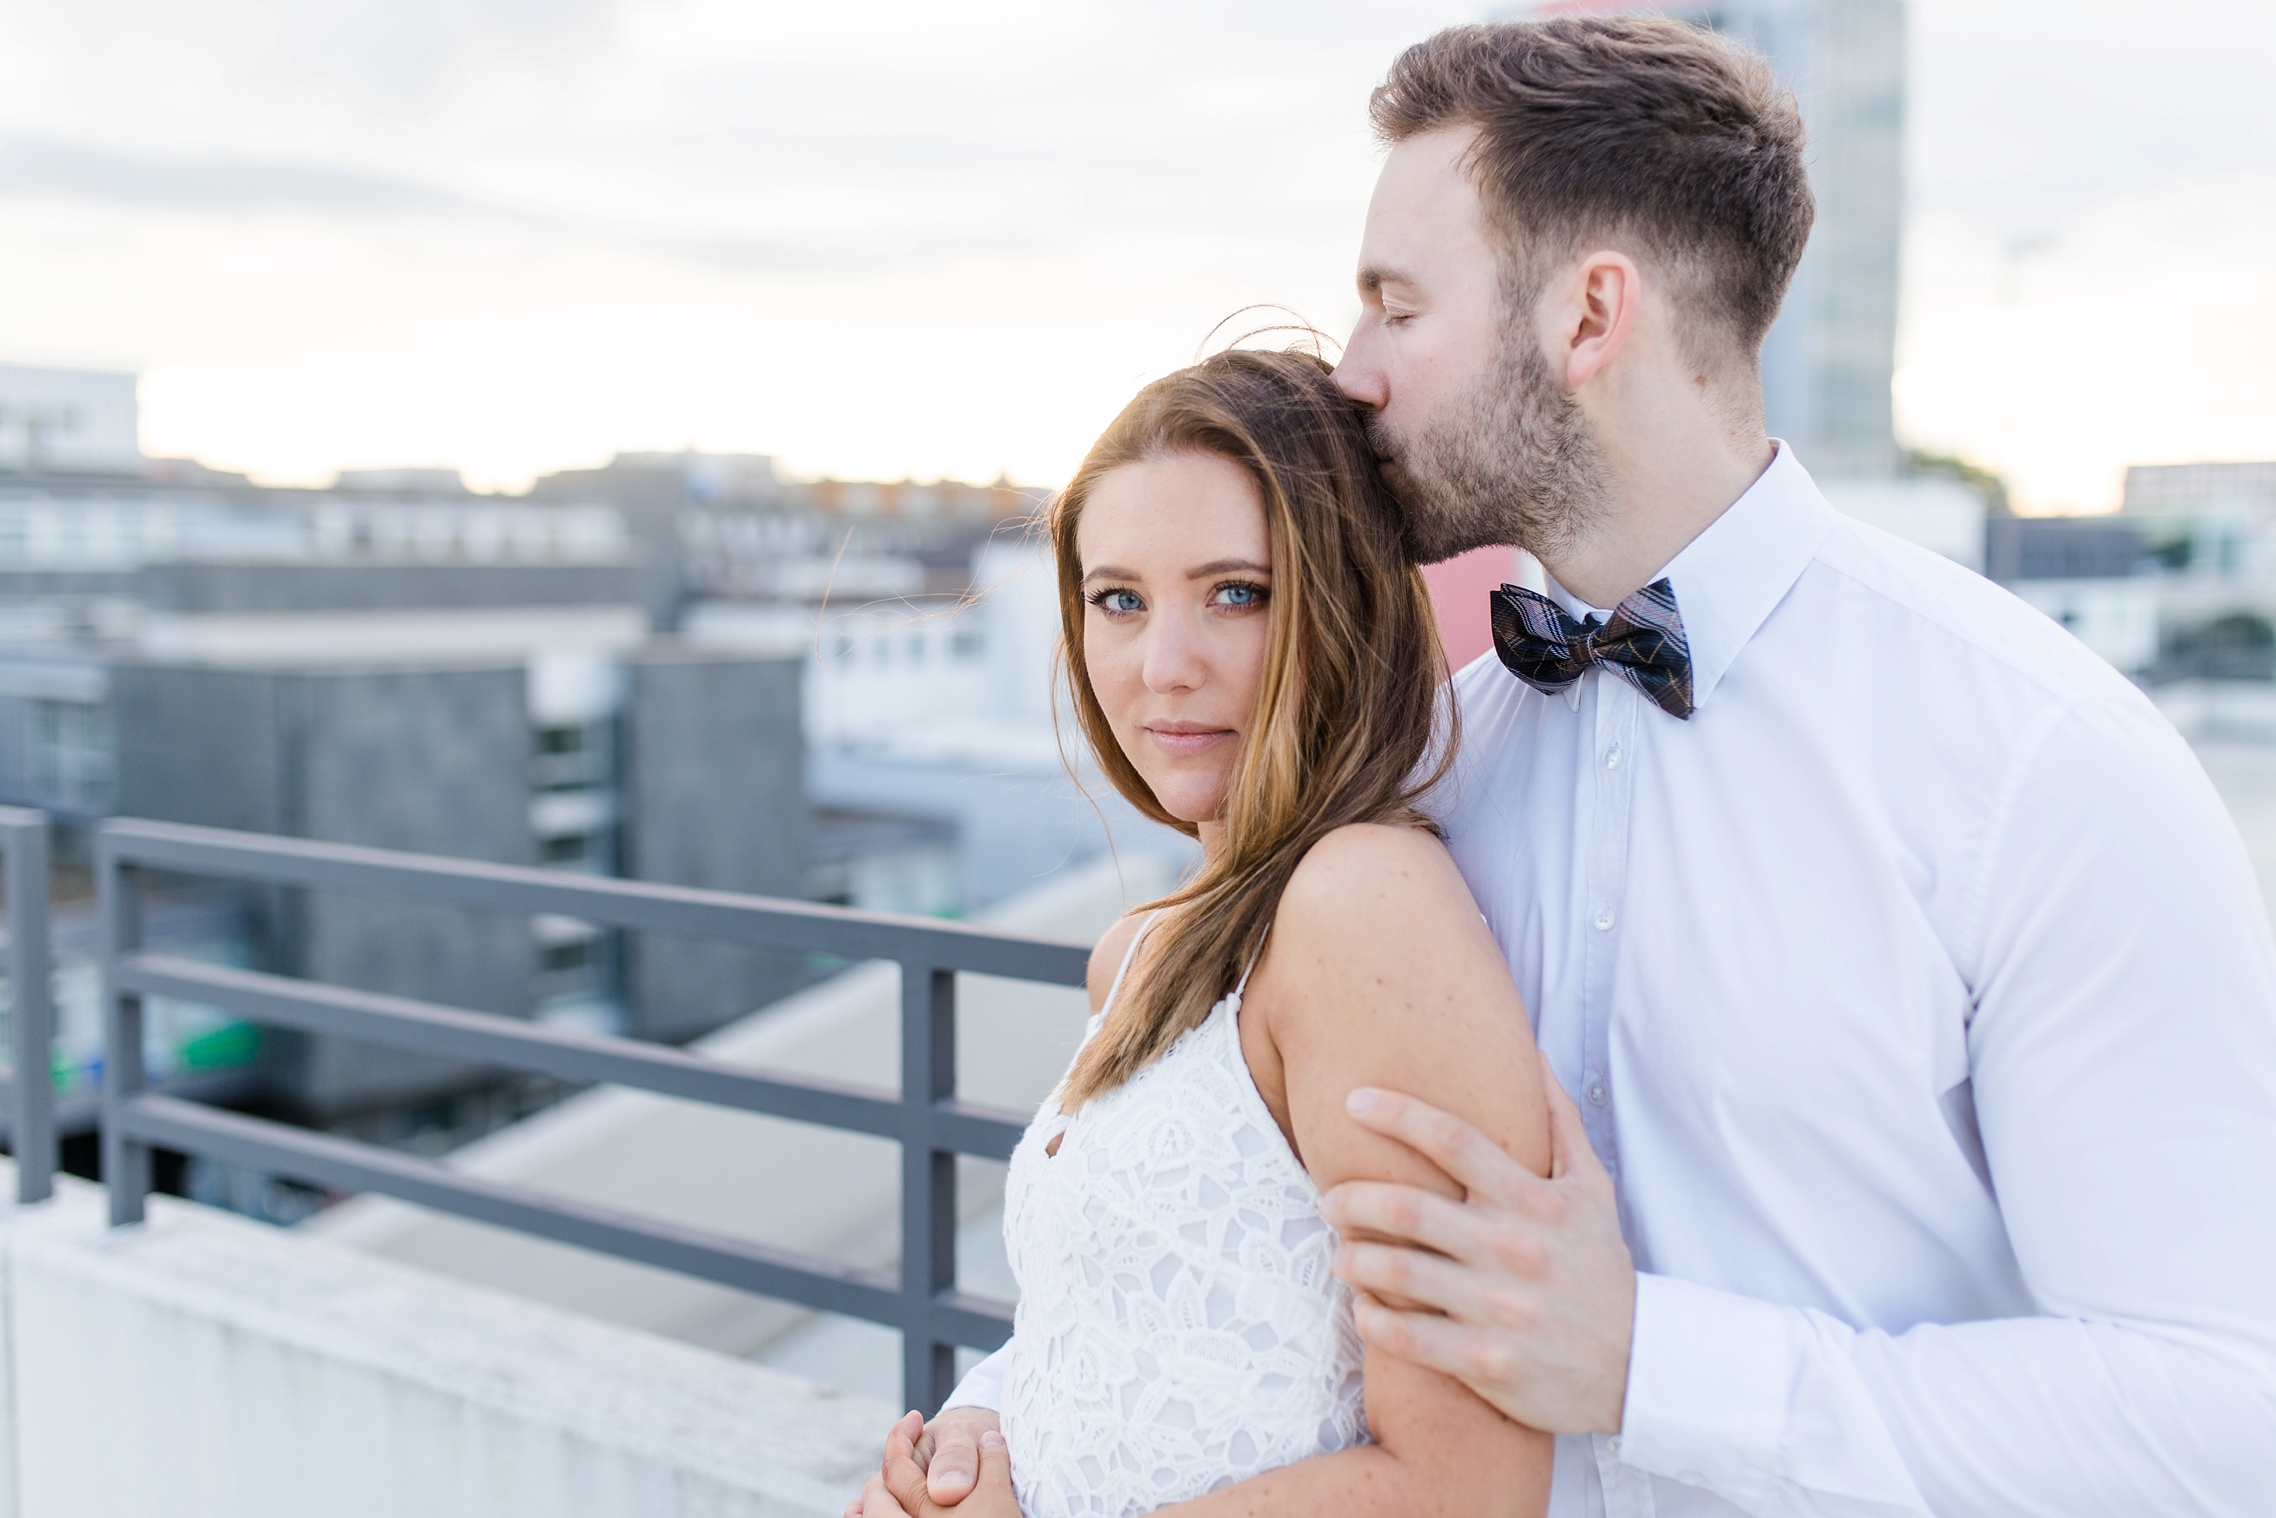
(202, 1366)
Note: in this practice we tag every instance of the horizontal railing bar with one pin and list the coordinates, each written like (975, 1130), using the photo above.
(639, 905)
(319, 1159)
(988, 1133)
(977, 1322)
(399, 1022)
(84, 1113)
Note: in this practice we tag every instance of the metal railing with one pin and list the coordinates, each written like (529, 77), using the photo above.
(931, 1125)
(30, 1085)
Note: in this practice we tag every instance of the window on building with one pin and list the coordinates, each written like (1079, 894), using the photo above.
(573, 756)
(562, 958)
(72, 754)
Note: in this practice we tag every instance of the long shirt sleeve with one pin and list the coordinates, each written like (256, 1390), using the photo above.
(2122, 1089)
(983, 1384)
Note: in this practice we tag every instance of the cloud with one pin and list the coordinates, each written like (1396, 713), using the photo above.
(35, 167)
(135, 182)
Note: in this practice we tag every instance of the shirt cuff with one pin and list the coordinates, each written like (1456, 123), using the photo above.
(1708, 1376)
(983, 1384)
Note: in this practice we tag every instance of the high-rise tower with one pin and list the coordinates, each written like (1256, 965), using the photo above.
(1827, 364)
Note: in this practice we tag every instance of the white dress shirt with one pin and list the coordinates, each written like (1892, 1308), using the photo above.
(1919, 997)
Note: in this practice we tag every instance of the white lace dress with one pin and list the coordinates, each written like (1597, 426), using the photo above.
(1179, 1328)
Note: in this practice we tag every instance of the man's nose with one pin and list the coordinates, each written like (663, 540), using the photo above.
(1358, 374)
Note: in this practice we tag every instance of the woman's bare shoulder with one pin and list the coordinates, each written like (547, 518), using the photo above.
(1378, 915)
(1107, 955)
(1384, 974)
(1371, 878)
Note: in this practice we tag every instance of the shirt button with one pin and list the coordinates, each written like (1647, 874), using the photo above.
(1612, 757)
(1613, 1445)
(1603, 918)
(1596, 1093)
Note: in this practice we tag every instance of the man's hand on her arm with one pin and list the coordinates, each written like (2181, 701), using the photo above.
(900, 1488)
(1535, 1283)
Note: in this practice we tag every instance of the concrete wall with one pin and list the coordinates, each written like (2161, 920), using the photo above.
(714, 796)
(433, 760)
(201, 1366)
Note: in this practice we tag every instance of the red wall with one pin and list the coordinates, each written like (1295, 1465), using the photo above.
(1459, 588)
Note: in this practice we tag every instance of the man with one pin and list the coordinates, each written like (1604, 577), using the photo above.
(1914, 989)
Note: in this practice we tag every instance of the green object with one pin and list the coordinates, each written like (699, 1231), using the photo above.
(224, 1048)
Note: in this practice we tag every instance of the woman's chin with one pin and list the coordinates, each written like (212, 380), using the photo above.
(1191, 810)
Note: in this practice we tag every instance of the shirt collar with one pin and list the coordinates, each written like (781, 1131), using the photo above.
(1733, 575)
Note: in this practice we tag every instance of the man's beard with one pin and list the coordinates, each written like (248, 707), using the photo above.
(1515, 466)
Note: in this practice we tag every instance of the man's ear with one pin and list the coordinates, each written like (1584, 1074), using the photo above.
(1593, 315)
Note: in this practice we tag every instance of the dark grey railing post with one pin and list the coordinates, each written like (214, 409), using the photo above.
(928, 1182)
(126, 1163)
(31, 1122)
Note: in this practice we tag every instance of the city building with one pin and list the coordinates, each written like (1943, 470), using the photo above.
(2177, 589)
(675, 667)
(519, 714)
(2091, 574)
(81, 421)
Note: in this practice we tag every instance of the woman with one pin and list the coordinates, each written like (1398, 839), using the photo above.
(1254, 662)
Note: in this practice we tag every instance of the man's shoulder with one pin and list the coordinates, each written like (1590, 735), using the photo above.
(1912, 607)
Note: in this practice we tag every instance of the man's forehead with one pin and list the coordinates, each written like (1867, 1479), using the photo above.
(1424, 197)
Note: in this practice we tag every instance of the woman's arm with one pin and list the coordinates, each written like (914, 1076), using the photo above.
(1380, 972)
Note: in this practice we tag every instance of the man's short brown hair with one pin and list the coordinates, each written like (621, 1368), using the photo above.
(1623, 127)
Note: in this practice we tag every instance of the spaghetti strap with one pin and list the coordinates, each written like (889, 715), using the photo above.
(1128, 955)
(1243, 983)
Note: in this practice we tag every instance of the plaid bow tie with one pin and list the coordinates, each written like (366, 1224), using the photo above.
(1642, 642)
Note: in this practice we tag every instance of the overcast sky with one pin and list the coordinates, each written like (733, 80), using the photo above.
(927, 239)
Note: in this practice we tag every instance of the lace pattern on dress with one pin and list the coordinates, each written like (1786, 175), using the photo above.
(1179, 1328)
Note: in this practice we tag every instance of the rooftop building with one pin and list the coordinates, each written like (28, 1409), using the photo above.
(2177, 489)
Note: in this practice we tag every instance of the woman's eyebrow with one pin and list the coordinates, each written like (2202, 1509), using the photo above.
(1227, 566)
(1108, 572)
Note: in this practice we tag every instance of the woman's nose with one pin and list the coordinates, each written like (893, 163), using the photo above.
(1173, 658)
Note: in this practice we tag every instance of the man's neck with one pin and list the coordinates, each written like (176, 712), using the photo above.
(1657, 498)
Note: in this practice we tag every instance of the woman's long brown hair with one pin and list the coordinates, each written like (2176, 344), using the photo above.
(1345, 713)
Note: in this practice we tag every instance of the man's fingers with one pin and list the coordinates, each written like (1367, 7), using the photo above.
(1436, 1343)
(902, 1437)
(1413, 1278)
(904, 1479)
(955, 1467)
(1476, 1162)
(1406, 1213)
(876, 1501)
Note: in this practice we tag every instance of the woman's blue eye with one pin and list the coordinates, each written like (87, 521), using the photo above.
(1240, 595)
(1119, 602)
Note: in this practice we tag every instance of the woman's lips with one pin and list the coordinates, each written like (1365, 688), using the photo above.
(1183, 740)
